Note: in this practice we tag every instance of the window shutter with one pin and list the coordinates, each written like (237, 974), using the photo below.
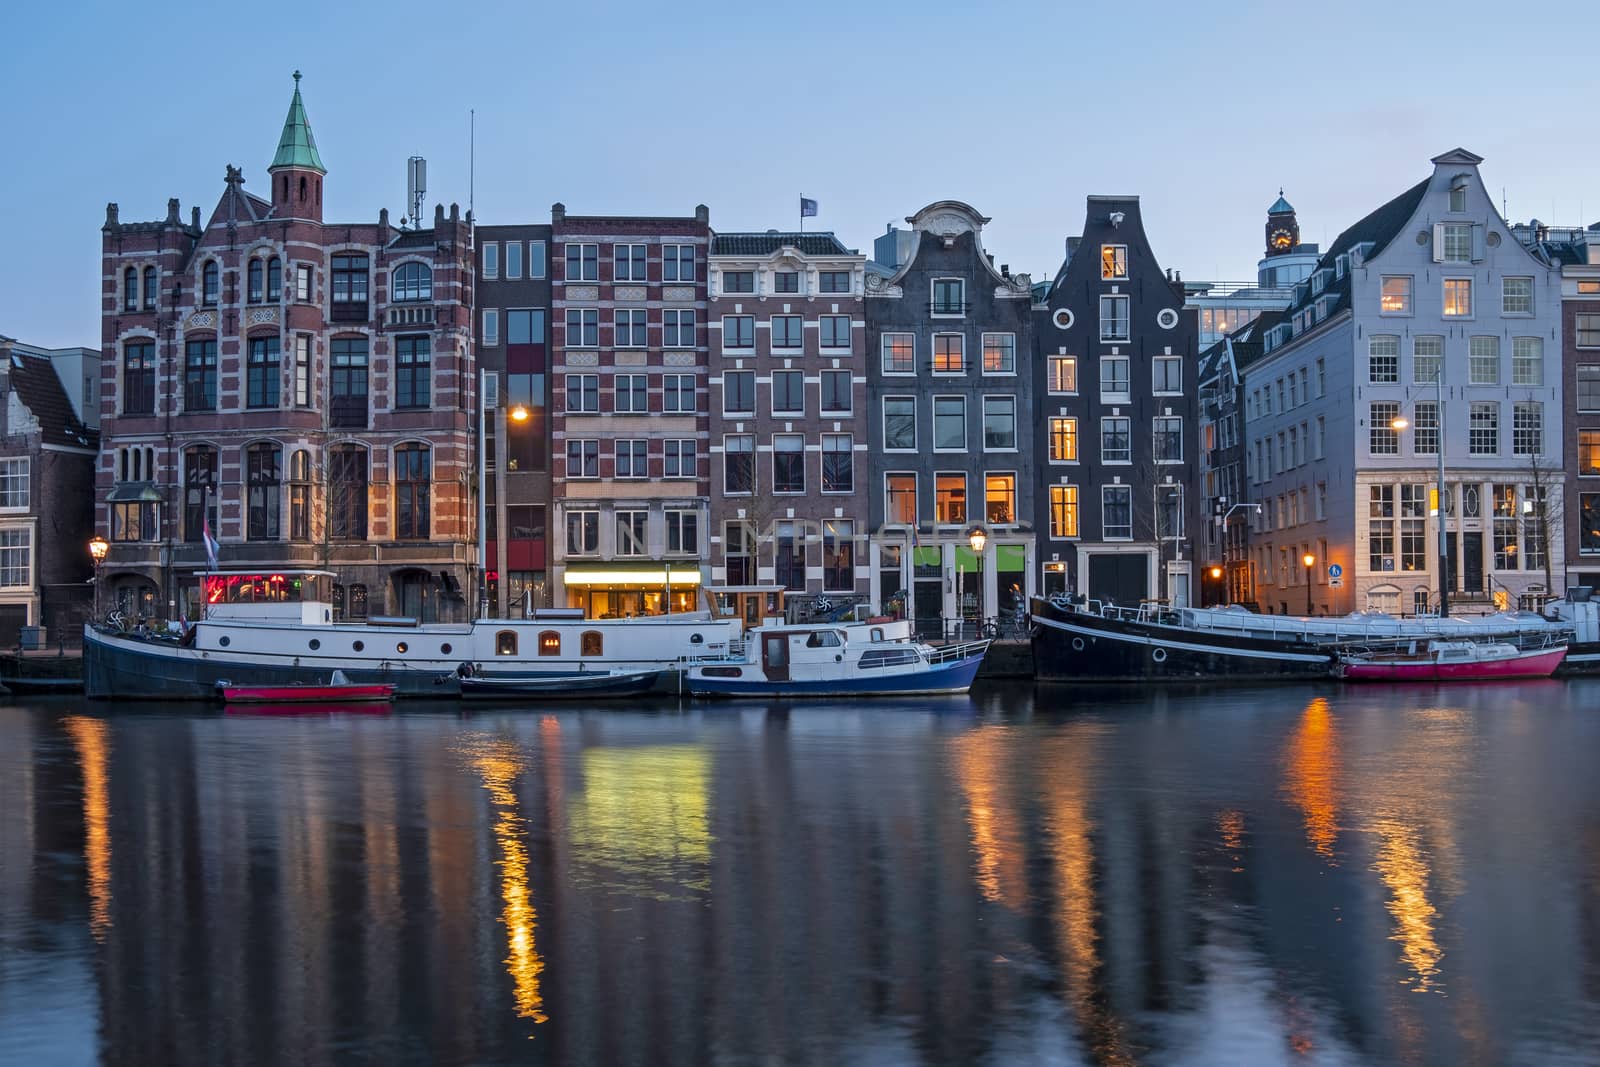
(1438, 242)
(1478, 247)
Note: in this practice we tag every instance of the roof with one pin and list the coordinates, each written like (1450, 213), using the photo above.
(765, 244)
(34, 380)
(1280, 206)
(297, 148)
(413, 239)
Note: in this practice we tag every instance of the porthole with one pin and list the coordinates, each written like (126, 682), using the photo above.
(1062, 318)
(1493, 239)
(1424, 237)
(444, 649)
(315, 644)
(1159, 655)
(697, 639)
(224, 641)
(1166, 318)
(359, 645)
(1077, 644)
(401, 647)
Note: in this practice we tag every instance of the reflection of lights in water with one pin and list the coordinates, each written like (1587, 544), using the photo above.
(91, 737)
(498, 761)
(979, 761)
(1311, 776)
(644, 813)
(1231, 824)
(1404, 871)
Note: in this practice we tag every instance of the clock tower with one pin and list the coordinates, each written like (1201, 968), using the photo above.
(1283, 232)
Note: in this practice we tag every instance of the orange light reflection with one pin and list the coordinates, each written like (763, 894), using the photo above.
(91, 737)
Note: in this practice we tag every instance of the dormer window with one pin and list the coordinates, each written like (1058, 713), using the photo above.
(949, 296)
(786, 281)
(738, 281)
(412, 282)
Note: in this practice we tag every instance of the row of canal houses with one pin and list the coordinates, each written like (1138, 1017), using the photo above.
(625, 414)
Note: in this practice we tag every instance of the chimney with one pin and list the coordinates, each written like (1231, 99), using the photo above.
(194, 217)
(172, 212)
(438, 216)
(383, 218)
(558, 212)
(702, 214)
(111, 216)
(1005, 270)
(455, 212)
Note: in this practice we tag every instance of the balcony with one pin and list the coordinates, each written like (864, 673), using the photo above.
(348, 412)
(410, 315)
(948, 307)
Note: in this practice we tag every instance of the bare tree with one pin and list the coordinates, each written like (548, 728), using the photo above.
(1543, 509)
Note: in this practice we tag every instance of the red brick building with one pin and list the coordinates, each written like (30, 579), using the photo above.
(302, 387)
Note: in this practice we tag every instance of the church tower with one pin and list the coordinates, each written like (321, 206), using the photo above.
(297, 169)
(1283, 231)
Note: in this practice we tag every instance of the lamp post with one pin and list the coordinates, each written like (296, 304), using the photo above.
(1308, 559)
(97, 552)
(1399, 423)
(977, 537)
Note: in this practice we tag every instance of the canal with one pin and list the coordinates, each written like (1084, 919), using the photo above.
(1294, 875)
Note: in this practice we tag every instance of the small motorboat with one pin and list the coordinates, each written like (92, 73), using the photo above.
(554, 685)
(1452, 661)
(339, 690)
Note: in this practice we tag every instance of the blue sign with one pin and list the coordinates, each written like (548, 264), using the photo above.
(1335, 571)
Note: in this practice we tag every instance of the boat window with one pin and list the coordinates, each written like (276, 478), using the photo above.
(549, 643)
(358, 645)
(886, 657)
(401, 648)
(593, 644)
(877, 633)
(823, 639)
(315, 644)
(444, 649)
(505, 643)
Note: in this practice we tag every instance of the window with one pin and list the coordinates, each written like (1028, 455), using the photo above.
(299, 495)
(413, 371)
(1427, 354)
(1527, 361)
(1322, 378)
(14, 493)
(838, 463)
(583, 263)
(139, 378)
(900, 498)
(629, 328)
(264, 374)
(786, 281)
(1483, 429)
(583, 393)
(738, 331)
(1063, 511)
(788, 463)
(629, 263)
(678, 394)
(347, 493)
(789, 556)
(1395, 298)
(1064, 440)
(583, 458)
(949, 423)
(736, 550)
(835, 331)
(1116, 444)
(130, 287)
(199, 492)
(999, 423)
(677, 329)
(1382, 438)
(1586, 330)
(833, 281)
(677, 263)
(950, 498)
(1380, 528)
(1484, 360)
(274, 280)
(1505, 527)
(134, 521)
(491, 326)
(1516, 296)
(302, 370)
(413, 475)
(632, 532)
(412, 282)
(838, 555)
(1000, 498)
(632, 458)
(1527, 428)
(1063, 374)
(632, 393)
(1588, 386)
(739, 392)
(1168, 439)
(1113, 262)
(738, 464)
(679, 459)
(549, 643)
(348, 286)
(302, 282)
(1413, 526)
(1425, 429)
(263, 480)
(900, 351)
(788, 392)
(1589, 453)
(1113, 318)
(583, 328)
(1166, 375)
(1589, 523)
(837, 398)
(1458, 194)
(738, 281)
(900, 423)
(1455, 242)
(16, 551)
(949, 353)
(583, 533)
(1458, 297)
(1114, 375)
(1116, 512)
(152, 286)
(491, 259)
(683, 533)
(210, 276)
(1383, 359)
(999, 353)
(949, 296)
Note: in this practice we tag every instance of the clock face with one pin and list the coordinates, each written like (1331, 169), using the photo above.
(1281, 239)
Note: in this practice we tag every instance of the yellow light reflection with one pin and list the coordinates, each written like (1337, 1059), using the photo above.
(1312, 776)
(499, 763)
(92, 739)
(1231, 825)
(1404, 871)
(644, 812)
(979, 761)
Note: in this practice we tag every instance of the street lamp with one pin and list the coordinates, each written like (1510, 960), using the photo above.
(519, 413)
(977, 537)
(97, 551)
(1308, 559)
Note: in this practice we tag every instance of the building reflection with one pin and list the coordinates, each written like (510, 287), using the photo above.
(982, 762)
(643, 817)
(92, 740)
(1311, 776)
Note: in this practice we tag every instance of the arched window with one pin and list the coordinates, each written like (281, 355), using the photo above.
(152, 282)
(130, 290)
(338, 601)
(549, 643)
(210, 282)
(264, 374)
(274, 279)
(264, 484)
(594, 643)
(199, 491)
(139, 378)
(412, 281)
(505, 643)
(302, 187)
(413, 471)
(253, 288)
(347, 493)
(300, 495)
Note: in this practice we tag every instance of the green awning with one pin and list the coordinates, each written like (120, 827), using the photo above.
(1011, 557)
(966, 559)
(926, 556)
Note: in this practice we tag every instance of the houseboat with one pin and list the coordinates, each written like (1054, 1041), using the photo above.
(278, 629)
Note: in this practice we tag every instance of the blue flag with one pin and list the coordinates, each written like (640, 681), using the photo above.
(808, 208)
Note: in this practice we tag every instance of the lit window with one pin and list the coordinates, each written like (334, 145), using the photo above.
(999, 353)
(1113, 262)
(950, 498)
(1458, 297)
(899, 353)
(1000, 498)
(1396, 298)
(1063, 374)
(591, 643)
(949, 356)
(1063, 511)
(900, 498)
(1064, 440)
(549, 643)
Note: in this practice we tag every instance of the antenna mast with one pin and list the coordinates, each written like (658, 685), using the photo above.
(416, 187)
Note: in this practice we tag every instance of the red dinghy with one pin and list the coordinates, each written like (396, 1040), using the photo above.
(337, 691)
(1453, 661)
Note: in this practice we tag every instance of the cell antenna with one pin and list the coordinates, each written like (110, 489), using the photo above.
(416, 188)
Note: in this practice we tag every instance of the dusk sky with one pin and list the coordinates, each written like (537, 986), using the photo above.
(873, 109)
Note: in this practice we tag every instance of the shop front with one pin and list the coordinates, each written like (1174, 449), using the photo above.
(615, 590)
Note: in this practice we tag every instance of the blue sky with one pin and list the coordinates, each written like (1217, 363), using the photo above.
(873, 109)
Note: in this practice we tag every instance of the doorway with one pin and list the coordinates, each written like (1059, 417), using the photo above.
(1119, 577)
(775, 656)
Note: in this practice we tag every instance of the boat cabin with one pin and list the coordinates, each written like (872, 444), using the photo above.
(304, 597)
(829, 649)
(754, 605)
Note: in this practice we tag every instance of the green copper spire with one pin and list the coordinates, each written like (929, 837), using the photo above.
(297, 148)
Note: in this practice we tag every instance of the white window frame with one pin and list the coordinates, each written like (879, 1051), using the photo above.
(513, 261)
(1119, 254)
(933, 355)
(566, 387)
(961, 300)
(622, 385)
(672, 321)
(1007, 338)
(491, 259)
(673, 391)
(884, 346)
(983, 422)
(25, 535)
(1124, 395)
(1050, 370)
(644, 262)
(637, 455)
(772, 394)
(1165, 363)
(1405, 310)
(1106, 492)
(883, 414)
(491, 327)
(674, 451)
(14, 469)
(581, 246)
(1109, 334)
(1444, 298)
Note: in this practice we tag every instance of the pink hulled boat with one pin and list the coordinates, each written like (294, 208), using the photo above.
(1452, 661)
(339, 690)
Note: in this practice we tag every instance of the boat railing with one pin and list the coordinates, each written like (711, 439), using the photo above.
(946, 653)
